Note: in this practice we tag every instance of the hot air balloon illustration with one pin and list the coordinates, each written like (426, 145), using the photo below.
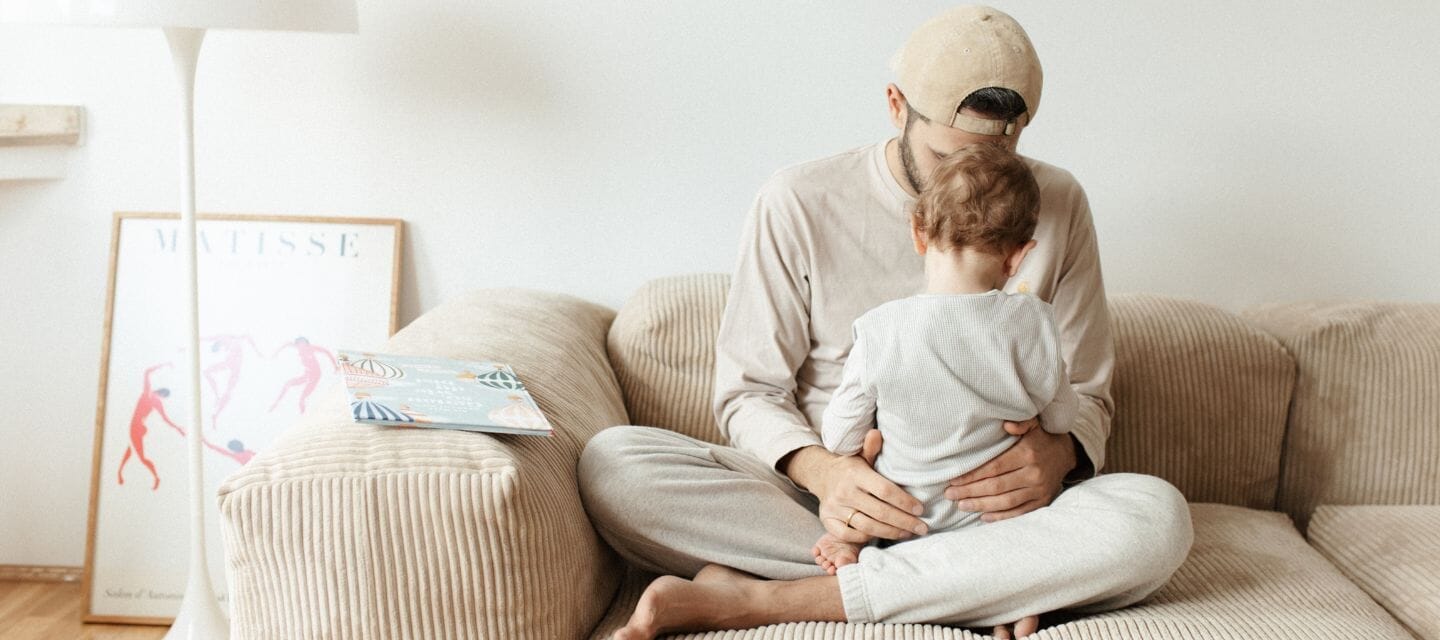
(519, 414)
(368, 372)
(499, 379)
(366, 409)
(418, 416)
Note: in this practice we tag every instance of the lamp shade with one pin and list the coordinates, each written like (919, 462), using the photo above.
(268, 15)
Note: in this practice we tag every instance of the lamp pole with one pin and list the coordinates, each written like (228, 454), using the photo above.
(200, 615)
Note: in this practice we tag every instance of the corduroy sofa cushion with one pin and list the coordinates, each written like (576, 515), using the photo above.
(1364, 425)
(342, 530)
(1200, 397)
(1200, 400)
(1392, 552)
(1249, 575)
(662, 346)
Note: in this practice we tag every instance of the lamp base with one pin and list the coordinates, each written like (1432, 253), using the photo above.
(200, 618)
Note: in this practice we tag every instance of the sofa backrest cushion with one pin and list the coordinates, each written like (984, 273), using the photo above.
(662, 347)
(1200, 400)
(1200, 397)
(1365, 422)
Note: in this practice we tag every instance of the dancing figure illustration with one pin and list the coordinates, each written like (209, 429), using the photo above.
(232, 360)
(235, 451)
(308, 359)
(149, 402)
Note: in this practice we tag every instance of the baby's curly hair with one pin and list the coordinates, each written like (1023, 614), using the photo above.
(982, 197)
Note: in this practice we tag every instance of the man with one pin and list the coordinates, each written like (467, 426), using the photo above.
(825, 242)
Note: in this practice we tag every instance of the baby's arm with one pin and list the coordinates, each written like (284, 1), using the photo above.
(1059, 415)
(1052, 389)
(851, 412)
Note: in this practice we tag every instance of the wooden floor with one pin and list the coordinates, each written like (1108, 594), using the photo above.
(51, 610)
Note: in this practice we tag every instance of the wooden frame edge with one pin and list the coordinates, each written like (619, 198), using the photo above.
(87, 579)
(157, 622)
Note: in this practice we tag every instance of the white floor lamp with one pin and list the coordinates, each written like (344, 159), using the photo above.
(184, 23)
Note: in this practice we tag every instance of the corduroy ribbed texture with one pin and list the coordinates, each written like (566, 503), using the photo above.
(349, 531)
(1392, 552)
(1364, 425)
(1249, 575)
(662, 346)
(1200, 400)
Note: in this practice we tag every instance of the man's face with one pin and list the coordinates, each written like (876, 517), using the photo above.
(924, 144)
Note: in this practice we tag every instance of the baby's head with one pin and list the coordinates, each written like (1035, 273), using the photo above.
(982, 205)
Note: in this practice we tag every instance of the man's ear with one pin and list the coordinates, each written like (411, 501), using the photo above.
(918, 239)
(895, 103)
(1012, 263)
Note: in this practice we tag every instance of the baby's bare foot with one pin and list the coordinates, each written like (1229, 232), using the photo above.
(831, 553)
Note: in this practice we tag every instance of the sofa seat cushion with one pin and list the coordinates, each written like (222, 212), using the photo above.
(1392, 552)
(1249, 575)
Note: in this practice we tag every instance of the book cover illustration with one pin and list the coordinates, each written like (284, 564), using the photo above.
(412, 391)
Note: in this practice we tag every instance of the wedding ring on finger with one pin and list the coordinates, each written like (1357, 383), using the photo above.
(852, 515)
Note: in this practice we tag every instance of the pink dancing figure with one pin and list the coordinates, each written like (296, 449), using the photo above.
(149, 402)
(234, 350)
(311, 377)
(235, 450)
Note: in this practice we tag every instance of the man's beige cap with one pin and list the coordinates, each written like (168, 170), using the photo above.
(961, 51)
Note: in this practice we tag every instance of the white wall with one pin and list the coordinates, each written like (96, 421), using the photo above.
(1234, 152)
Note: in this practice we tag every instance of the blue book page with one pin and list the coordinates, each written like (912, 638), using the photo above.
(439, 393)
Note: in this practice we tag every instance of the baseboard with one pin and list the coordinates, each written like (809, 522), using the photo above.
(18, 572)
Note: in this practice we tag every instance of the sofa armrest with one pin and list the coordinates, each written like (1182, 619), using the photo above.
(342, 530)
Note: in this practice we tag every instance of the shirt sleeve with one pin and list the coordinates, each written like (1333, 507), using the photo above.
(765, 336)
(1083, 320)
(851, 412)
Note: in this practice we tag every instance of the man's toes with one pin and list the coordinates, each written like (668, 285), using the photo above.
(1027, 626)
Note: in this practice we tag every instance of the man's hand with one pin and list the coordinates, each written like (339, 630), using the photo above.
(1024, 478)
(849, 490)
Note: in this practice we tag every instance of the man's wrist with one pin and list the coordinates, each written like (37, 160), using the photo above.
(1083, 469)
(802, 464)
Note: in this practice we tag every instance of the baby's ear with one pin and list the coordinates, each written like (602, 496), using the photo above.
(1016, 257)
(918, 239)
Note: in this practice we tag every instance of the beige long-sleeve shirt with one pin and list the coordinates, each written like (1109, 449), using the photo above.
(828, 240)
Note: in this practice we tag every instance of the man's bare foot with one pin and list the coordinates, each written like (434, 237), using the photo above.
(718, 598)
(1024, 627)
(831, 553)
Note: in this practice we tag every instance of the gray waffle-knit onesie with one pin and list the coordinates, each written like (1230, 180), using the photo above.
(939, 374)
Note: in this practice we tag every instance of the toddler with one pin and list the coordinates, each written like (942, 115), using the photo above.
(940, 372)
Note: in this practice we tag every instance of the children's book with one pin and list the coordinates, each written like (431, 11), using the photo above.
(412, 391)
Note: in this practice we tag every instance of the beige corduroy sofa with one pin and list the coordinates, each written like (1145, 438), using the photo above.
(1294, 430)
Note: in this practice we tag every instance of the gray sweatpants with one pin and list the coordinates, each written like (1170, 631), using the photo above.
(672, 504)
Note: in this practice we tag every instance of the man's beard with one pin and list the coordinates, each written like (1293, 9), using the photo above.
(907, 161)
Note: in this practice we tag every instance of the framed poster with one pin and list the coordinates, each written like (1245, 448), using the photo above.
(278, 296)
